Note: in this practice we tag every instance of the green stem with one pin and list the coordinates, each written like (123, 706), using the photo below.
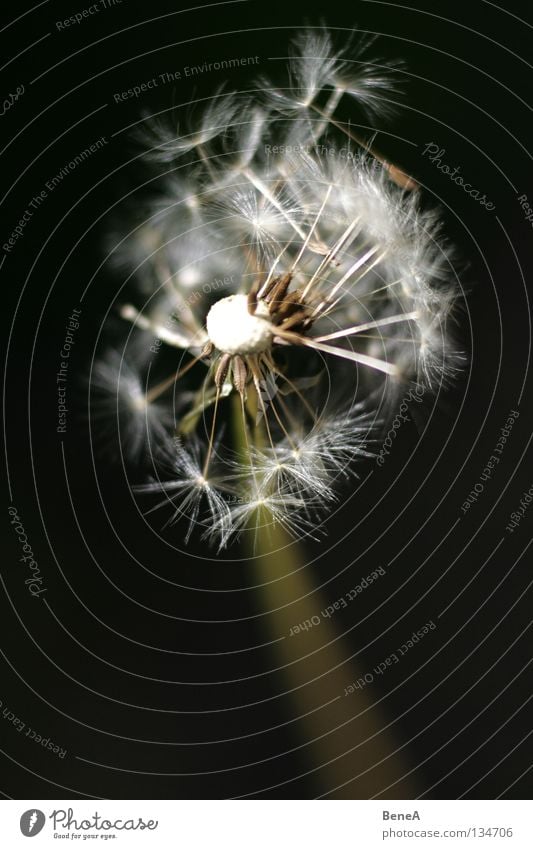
(343, 737)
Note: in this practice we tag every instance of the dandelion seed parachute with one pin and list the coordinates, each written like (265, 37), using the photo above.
(333, 276)
(120, 402)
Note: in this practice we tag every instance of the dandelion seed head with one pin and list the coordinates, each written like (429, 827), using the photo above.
(302, 289)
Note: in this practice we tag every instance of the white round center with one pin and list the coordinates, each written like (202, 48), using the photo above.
(233, 330)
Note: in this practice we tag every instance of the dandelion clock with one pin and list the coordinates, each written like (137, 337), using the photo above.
(303, 287)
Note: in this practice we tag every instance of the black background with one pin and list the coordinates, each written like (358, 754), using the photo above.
(127, 614)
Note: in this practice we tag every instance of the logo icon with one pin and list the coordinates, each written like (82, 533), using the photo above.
(32, 822)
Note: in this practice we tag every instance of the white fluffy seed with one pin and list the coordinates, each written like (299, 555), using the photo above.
(234, 330)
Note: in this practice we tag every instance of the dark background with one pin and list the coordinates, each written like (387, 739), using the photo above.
(128, 616)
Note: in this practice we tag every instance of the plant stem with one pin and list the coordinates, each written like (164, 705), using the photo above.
(343, 737)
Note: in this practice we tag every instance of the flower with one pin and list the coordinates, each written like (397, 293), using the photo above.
(336, 292)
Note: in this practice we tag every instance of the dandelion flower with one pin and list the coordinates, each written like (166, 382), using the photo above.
(337, 296)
